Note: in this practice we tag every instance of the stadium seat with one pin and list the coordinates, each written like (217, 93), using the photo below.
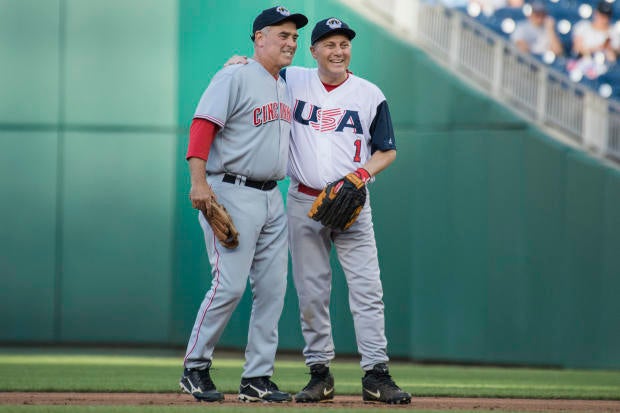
(515, 13)
(568, 13)
(565, 20)
(608, 84)
(567, 42)
(504, 20)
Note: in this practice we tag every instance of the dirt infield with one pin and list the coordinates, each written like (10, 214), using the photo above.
(418, 403)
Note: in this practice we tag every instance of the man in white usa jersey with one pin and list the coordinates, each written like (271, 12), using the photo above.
(341, 124)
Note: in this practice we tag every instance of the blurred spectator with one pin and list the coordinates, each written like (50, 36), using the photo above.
(537, 34)
(596, 35)
(595, 43)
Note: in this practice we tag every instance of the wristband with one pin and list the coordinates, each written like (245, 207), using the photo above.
(363, 174)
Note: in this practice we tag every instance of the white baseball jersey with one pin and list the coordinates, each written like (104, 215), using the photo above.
(336, 132)
(253, 112)
(333, 134)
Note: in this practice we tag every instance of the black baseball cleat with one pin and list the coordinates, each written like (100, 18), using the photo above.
(320, 388)
(261, 389)
(378, 386)
(198, 383)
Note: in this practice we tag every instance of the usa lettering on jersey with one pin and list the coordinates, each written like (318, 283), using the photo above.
(270, 112)
(327, 120)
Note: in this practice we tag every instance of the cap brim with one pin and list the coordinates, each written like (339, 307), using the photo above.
(343, 30)
(299, 19)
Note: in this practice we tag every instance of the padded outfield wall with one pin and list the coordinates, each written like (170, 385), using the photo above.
(497, 244)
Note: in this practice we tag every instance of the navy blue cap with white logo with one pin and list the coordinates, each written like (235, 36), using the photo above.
(330, 26)
(605, 7)
(275, 15)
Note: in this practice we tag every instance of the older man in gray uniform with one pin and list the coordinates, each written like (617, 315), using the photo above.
(238, 151)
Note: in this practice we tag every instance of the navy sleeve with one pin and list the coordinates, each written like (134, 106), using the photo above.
(283, 73)
(381, 130)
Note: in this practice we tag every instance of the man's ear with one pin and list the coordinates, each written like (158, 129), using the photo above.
(258, 37)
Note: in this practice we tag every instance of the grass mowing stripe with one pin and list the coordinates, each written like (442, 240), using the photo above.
(132, 373)
(118, 360)
(97, 360)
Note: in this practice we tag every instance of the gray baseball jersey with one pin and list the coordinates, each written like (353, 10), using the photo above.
(252, 109)
(246, 101)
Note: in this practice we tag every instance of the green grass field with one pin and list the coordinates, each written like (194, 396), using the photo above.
(85, 371)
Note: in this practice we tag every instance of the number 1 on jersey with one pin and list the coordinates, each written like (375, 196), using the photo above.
(358, 149)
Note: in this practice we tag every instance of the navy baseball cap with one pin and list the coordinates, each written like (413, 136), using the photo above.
(538, 6)
(330, 26)
(275, 15)
(606, 8)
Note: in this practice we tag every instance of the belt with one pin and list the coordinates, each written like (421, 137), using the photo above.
(262, 185)
(307, 190)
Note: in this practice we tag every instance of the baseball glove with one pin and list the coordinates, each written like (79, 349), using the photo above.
(222, 225)
(340, 202)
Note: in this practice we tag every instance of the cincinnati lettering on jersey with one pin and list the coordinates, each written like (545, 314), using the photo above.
(327, 120)
(270, 112)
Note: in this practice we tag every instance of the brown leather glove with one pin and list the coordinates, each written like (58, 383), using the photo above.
(222, 225)
(340, 202)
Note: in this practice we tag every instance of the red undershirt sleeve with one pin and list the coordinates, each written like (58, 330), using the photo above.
(201, 134)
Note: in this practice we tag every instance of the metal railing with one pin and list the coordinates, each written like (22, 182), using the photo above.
(613, 144)
(538, 92)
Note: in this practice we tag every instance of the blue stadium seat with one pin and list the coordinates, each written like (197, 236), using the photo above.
(559, 64)
(515, 13)
(592, 3)
(567, 42)
(497, 20)
(590, 83)
(569, 13)
(611, 78)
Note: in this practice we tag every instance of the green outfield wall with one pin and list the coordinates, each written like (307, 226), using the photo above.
(497, 243)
